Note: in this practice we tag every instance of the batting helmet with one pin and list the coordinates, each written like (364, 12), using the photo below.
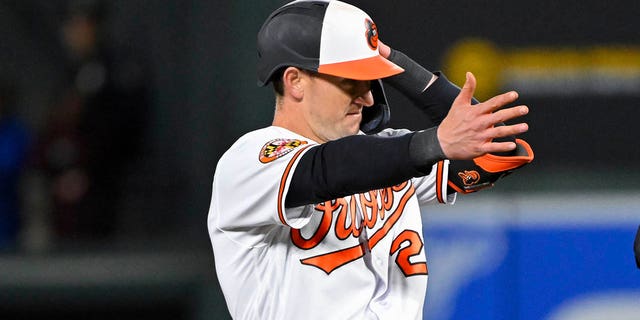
(329, 37)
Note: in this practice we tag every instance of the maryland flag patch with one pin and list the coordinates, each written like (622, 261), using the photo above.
(277, 148)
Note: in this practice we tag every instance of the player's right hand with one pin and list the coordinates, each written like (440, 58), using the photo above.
(468, 130)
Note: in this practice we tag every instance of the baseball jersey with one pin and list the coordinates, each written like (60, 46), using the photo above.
(357, 257)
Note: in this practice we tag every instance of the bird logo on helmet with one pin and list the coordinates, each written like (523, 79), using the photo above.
(372, 34)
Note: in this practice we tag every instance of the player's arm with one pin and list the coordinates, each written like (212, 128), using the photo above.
(361, 163)
(434, 94)
(431, 92)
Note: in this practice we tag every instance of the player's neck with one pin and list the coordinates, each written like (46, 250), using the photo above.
(292, 118)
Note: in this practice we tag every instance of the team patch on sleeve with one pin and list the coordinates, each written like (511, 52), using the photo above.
(277, 148)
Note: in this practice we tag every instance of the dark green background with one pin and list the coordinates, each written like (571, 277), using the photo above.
(201, 55)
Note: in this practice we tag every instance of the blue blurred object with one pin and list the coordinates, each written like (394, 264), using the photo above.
(636, 247)
(556, 258)
(14, 143)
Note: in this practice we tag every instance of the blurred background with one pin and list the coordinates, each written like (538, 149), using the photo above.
(113, 115)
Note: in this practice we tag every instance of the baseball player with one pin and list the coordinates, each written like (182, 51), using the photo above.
(318, 215)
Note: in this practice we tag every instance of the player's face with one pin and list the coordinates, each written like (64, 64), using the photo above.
(336, 105)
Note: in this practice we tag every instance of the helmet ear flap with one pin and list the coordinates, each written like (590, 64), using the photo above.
(376, 117)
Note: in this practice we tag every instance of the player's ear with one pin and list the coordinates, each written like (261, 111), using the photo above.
(292, 79)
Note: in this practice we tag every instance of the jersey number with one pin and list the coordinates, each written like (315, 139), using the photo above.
(404, 254)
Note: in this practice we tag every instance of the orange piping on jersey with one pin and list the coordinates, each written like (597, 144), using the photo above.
(393, 218)
(439, 178)
(454, 187)
(330, 261)
(283, 182)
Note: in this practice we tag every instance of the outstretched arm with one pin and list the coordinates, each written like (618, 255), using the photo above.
(434, 94)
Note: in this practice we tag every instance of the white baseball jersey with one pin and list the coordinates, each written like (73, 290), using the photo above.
(357, 257)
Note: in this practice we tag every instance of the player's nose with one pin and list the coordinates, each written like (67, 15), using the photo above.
(365, 99)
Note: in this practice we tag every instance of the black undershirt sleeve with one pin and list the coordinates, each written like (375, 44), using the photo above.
(361, 163)
(435, 101)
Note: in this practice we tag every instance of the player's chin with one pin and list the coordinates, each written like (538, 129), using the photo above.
(347, 130)
(353, 119)
(352, 122)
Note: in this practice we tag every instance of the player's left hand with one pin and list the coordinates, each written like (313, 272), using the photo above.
(468, 130)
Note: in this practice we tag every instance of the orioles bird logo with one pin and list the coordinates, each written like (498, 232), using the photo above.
(371, 34)
(469, 178)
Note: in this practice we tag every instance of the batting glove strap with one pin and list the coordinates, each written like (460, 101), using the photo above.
(469, 176)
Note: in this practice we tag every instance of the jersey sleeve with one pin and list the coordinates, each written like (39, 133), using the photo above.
(251, 183)
(432, 188)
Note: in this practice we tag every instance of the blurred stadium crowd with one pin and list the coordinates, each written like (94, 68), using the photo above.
(67, 171)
